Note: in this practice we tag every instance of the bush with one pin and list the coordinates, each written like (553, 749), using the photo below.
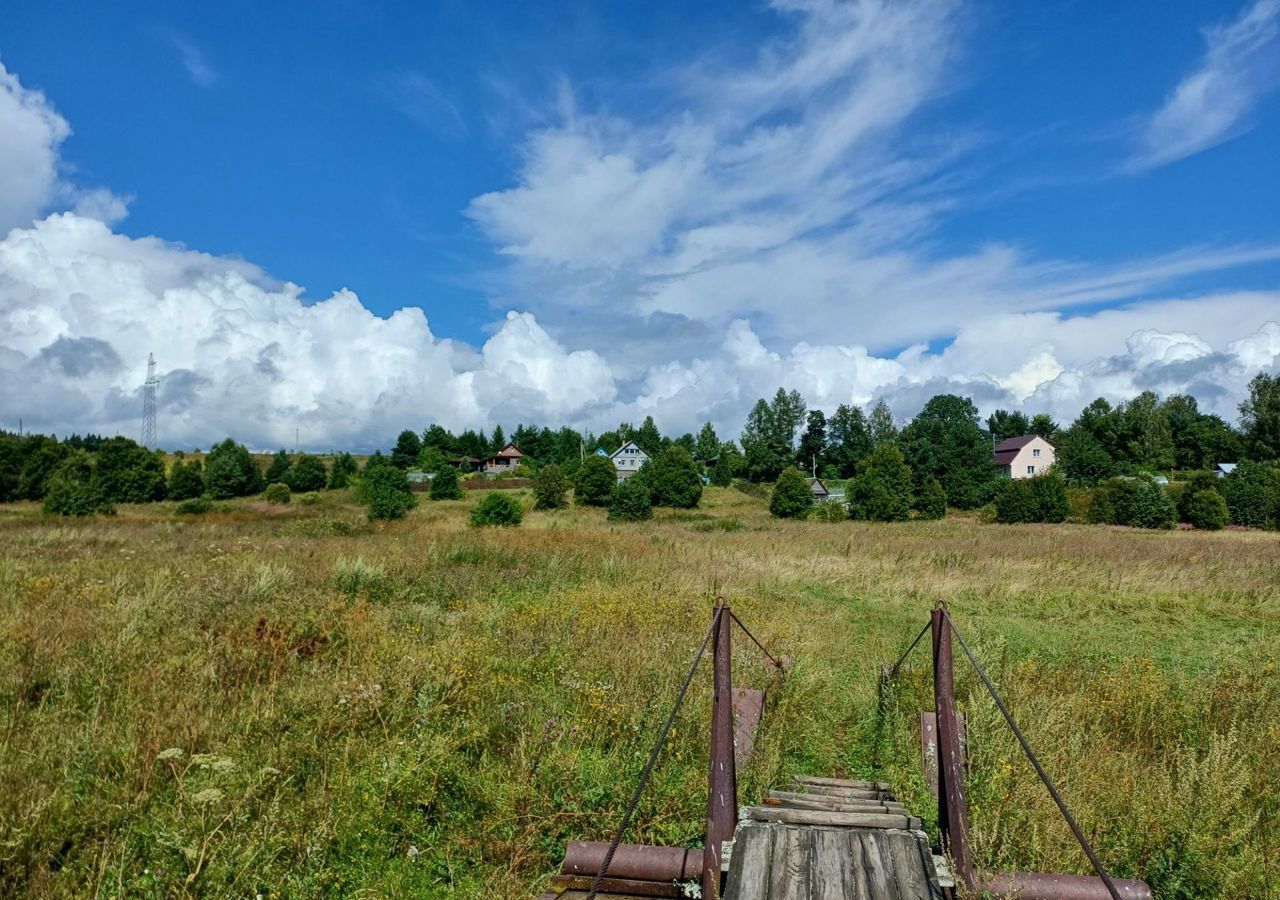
(195, 506)
(1039, 499)
(792, 497)
(550, 488)
(307, 474)
(595, 482)
(497, 509)
(1206, 509)
(631, 501)
(445, 484)
(931, 500)
(1181, 493)
(830, 512)
(675, 479)
(278, 493)
(1252, 493)
(278, 468)
(186, 480)
(73, 488)
(1136, 502)
(229, 471)
(881, 491)
(129, 472)
(386, 490)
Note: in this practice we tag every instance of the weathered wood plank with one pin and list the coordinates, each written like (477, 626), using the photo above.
(873, 862)
(845, 783)
(752, 858)
(816, 801)
(792, 861)
(612, 886)
(908, 866)
(830, 819)
(846, 793)
(830, 878)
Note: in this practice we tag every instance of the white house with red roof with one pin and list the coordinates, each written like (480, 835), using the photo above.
(1025, 456)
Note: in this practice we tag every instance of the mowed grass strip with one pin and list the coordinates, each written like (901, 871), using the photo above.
(295, 702)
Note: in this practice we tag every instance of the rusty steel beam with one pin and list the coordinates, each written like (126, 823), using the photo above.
(637, 862)
(953, 815)
(722, 798)
(1051, 886)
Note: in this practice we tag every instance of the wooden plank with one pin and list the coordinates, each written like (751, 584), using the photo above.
(873, 862)
(751, 861)
(908, 866)
(831, 869)
(859, 877)
(829, 819)
(846, 793)
(819, 801)
(792, 859)
(845, 783)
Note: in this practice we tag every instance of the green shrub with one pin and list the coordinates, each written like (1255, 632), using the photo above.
(278, 469)
(631, 501)
(195, 506)
(444, 486)
(595, 482)
(931, 500)
(129, 472)
(278, 493)
(1136, 502)
(550, 488)
(830, 512)
(497, 508)
(343, 470)
(792, 497)
(674, 479)
(881, 491)
(73, 488)
(1252, 493)
(186, 480)
(307, 474)
(1195, 482)
(386, 489)
(1039, 499)
(1206, 509)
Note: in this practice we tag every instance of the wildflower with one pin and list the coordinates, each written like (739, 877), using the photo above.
(171, 753)
(207, 796)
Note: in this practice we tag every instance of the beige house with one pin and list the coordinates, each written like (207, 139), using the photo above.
(1024, 457)
(628, 459)
(505, 460)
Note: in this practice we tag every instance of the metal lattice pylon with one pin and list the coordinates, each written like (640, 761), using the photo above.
(149, 403)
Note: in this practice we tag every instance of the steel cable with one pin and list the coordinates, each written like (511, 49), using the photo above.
(653, 758)
(1044, 776)
(777, 662)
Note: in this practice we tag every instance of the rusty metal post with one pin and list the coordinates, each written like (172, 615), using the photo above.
(722, 799)
(953, 814)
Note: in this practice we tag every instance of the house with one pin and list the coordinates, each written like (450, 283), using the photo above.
(467, 463)
(505, 460)
(819, 490)
(628, 459)
(1023, 457)
(1222, 470)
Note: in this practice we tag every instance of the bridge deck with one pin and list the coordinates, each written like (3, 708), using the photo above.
(830, 839)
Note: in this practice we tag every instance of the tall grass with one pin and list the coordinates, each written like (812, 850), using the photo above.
(253, 704)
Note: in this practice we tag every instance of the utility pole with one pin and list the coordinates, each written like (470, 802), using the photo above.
(149, 403)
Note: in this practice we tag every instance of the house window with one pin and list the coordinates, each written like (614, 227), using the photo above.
(1035, 452)
(1031, 470)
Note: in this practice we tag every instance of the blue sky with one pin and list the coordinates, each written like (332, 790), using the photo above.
(639, 182)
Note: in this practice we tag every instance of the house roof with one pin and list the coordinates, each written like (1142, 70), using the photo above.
(1005, 451)
(639, 450)
(510, 451)
(816, 485)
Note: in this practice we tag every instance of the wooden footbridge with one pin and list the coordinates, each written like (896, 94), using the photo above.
(821, 838)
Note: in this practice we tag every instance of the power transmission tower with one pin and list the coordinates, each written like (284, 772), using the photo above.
(149, 403)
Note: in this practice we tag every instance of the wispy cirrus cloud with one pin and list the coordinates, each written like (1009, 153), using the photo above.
(1241, 65)
(422, 100)
(193, 59)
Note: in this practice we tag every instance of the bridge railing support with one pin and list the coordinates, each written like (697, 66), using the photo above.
(953, 812)
(722, 796)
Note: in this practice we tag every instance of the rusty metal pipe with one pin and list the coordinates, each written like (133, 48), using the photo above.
(1052, 886)
(639, 862)
(722, 796)
(953, 814)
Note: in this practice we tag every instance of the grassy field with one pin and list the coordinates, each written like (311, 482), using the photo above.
(294, 702)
